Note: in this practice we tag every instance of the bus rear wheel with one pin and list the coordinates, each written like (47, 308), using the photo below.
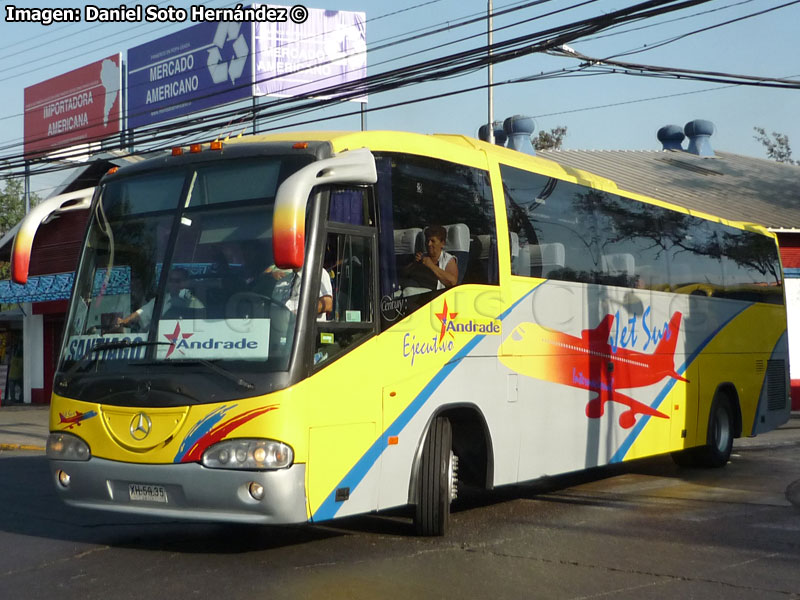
(719, 438)
(437, 485)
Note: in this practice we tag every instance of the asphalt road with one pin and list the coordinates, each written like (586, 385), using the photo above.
(642, 530)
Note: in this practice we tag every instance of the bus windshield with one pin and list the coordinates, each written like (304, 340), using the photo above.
(178, 268)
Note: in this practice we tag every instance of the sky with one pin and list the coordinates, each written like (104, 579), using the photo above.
(609, 111)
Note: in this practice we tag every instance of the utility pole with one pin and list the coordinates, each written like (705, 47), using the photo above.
(27, 186)
(490, 136)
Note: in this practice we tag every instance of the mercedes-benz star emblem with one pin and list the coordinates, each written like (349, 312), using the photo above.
(140, 426)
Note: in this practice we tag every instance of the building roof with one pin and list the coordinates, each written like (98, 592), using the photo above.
(734, 187)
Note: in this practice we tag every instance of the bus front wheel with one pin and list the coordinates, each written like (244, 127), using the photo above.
(438, 475)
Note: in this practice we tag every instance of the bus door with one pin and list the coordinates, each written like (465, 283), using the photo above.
(346, 417)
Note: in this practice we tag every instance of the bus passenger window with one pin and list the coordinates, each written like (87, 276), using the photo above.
(414, 193)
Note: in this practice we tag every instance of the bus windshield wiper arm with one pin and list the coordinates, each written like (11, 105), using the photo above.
(229, 375)
(116, 344)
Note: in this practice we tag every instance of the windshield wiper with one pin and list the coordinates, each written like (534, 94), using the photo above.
(98, 348)
(229, 375)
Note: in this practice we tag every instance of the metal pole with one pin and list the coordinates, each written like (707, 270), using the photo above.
(123, 98)
(125, 116)
(363, 116)
(27, 187)
(490, 136)
(255, 115)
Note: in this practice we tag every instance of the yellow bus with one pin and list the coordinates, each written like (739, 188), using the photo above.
(297, 327)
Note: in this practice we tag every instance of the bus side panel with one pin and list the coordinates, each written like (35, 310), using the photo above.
(473, 382)
(448, 360)
(750, 353)
(685, 410)
(440, 356)
(610, 374)
(567, 376)
(326, 446)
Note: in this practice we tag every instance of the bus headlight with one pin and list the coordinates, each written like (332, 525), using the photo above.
(65, 446)
(248, 454)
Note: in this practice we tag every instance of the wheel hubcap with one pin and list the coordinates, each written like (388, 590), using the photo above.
(452, 476)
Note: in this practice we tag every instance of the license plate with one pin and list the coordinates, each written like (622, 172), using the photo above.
(140, 492)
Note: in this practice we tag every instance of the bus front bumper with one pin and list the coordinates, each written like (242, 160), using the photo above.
(186, 491)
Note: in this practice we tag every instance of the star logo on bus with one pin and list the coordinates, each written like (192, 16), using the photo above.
(444, 317)
(174, 337)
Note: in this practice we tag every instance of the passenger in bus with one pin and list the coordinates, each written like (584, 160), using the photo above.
(178, 297)
(442, 264)
(324, 300)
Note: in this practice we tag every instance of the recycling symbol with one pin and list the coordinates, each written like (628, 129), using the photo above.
(219, 69)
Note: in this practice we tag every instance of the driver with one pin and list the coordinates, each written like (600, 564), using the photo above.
(324, 301)
(178, 296)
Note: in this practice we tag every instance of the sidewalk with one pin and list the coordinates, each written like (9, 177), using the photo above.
(24, 427)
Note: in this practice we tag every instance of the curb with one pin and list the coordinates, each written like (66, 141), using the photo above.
(21, 447)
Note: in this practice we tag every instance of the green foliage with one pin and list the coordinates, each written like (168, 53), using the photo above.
(776, 145)
(12, 209)
(12, 204)
(550, 140)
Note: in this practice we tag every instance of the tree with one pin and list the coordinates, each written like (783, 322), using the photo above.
(12, 204)
(12, 209)
(550, 140)
(776, 145)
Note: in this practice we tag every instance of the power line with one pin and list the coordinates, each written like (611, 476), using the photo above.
(630, 68)
(705, 29)
(440, 67)
(469, 20)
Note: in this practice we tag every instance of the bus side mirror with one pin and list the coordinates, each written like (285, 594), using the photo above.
(289, 220)
(39, 214)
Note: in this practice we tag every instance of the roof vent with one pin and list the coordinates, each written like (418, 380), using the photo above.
(699, 133)
(500, 136)
(519, 130)
(671, 136)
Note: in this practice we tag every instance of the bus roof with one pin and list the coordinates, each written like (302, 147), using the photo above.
(472, 152)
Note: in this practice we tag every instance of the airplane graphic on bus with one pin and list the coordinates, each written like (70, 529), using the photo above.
(595, 363)
(71, 420)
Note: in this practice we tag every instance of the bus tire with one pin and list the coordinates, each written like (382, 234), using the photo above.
(437, 480)
(719, 439)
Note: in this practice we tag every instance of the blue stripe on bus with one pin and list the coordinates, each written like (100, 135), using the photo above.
(619, 455)
(330, 507)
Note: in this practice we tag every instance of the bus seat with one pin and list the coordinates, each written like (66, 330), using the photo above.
(482, 259)
(484, 240)
(523, 261)
(478, 260)
(618, 264)
(457, 244)
(514, 252)
(545, 258)
(407, 242)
